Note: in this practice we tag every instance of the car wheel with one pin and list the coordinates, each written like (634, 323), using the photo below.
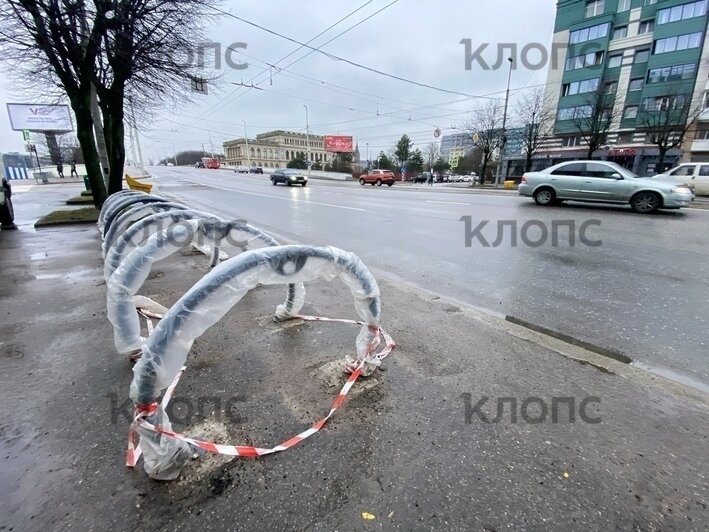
(274, 182)
(304, 184)
(287, 183)
(544, 196)
(361, 182)
(379, 182)
(389, 184)
(645, 202)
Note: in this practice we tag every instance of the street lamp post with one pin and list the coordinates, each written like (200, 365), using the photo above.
(504, 126)
(248, 152)
(307, 139)
(368, 156)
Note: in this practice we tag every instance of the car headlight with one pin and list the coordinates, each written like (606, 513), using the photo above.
(681, 189)
(292, 178)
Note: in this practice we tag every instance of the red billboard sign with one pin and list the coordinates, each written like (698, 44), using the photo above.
(338, 144)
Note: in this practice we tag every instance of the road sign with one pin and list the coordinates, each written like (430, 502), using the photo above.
(436, 132)
(26, 135)
(476, 138)
(454, 162)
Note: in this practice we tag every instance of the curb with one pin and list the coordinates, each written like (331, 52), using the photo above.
(603, 351)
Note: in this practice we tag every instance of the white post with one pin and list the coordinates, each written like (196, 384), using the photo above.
(307, 138)
(248, 152)
(504, 127)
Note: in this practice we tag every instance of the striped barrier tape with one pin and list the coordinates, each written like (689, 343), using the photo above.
(246, 451)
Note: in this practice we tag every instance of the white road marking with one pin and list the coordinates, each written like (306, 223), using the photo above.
(448, 202)
(279, 197)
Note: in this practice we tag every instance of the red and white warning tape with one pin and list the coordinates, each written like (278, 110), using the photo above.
(142, 411)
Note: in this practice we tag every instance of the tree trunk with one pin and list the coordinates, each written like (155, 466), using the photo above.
(483, 169)
(528, 164)
(661, 164)
(591, 151)
(114, 122)
(87, 141)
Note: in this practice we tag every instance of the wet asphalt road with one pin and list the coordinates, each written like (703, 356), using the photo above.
(644, 291)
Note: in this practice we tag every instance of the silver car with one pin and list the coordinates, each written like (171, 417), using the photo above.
(602, 182)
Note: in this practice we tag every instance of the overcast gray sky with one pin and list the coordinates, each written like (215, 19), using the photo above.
(412, 39)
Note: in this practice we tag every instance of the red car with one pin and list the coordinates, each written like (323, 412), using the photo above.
(378, 177)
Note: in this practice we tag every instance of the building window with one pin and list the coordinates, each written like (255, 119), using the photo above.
(586, 60)
(650, 2)
(614, 61)
(678, 42)
(620, 32)
(611, 87)
(570, 142)
(682, 12)
(580, 87)
(665, 103)
(646, 26)
(626, 137)
(623, 5)
(595, 8)
(571, 113)
(631, 111)
(702, 133)
(636, 84)
(641, 56)
(590, 33)
(671, 73)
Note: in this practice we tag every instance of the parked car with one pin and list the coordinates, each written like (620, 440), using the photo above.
(241, 170)
(256, 170)
(199, 164)
(421, 178)
(288, 177)
(694, 175)
(170, 164)
(378, 177)
(602, 182)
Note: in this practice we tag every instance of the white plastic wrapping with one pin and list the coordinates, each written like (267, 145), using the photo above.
(133, 214)
(140, 231)
(111, 200)
(115, 209)
(163, 456)
(209, 299)
(132, 272)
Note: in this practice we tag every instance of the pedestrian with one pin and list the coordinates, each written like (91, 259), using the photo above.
(60, 169)
(73, 169)
(7, 213)
(430, 179)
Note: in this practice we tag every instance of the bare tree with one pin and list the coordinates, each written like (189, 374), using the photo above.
(536, 121)
(431, 154)
(485, 130)
(143, 48)
(594, 117)
(667, 119)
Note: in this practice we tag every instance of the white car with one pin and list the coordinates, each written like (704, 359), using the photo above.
(602, 182)
(694, 175)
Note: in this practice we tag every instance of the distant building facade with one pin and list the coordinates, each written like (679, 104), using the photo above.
(460, 142)
(274, 149)
(15, 165)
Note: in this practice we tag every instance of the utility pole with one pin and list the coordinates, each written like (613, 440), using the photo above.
(368, 163)
(211, 146)
(248, 152)
(307, 138)
(136, 136)
(504, 127)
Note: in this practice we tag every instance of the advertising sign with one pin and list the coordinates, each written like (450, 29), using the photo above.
(338, 144)
(39, 117)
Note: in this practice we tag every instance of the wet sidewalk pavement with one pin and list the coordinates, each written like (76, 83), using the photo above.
(408, 446)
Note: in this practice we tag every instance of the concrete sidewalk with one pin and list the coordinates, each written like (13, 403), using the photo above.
(404, 447)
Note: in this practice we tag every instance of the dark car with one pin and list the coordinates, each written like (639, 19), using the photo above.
(421, 178)
(256, 170)
(289, 177)
(199, 164)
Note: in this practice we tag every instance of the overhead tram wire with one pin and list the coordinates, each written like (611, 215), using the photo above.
(342, 59)
(221, 103)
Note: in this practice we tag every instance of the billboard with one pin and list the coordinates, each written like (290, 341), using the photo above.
(338, 144)
(39, 117)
